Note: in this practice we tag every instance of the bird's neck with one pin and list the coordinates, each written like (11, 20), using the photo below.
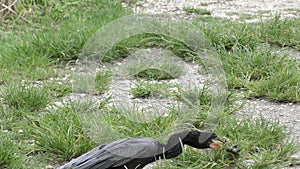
(175, 145)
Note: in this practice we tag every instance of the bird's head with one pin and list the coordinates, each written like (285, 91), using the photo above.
(202, 139)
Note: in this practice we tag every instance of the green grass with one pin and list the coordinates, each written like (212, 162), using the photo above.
(227, 34)
(60, 133)
(281, 85)
(154, 71)
(259, 140)
(53, 35)
(46, 36)
(26, 97)
(197, 11)
(162, 72)
(84, 83)
(247, 61)
(7, 151)
(154, 74)
(9, 123)
(58, 88)
(146, 89)
(33, 97)
(135, 129)
(96, 84)
(43, 36)
(102, 80)
(262, 72)
(204, 3)
(281, 32)
(149, 40)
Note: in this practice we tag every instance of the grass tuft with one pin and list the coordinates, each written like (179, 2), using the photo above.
(197, 11)
(60, 133)
(227, 34)
(154, 71)
(149, 40)
(263, 72)
(281, 85)
(116, 119)
(102, 81)
(7, 151)
(147, 89)
(281, 32)
(27, 97)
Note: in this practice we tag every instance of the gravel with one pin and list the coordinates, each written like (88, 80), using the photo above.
(233, 9)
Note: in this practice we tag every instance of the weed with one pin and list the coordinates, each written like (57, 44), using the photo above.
(60, 132)
(194, 96)
(281, 85)
(204, 4)
(149, 40)
(116, 119)
(226, 34)
(146, 89)
(281, 32)
(198, 11)
(58, 88)
(102, 81)
(154, 71)
(26, 97)
(262, 72)
(7, 151)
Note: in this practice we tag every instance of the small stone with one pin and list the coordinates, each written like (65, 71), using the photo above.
(82, 95)
(174, 89)
(296, 155)
(31, 142)
(58, 103)
(249, 162)
(49, 167)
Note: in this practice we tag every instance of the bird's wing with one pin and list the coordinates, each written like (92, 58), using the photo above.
(97, 152)
(115, 154)
(135, 148)
(83, 158)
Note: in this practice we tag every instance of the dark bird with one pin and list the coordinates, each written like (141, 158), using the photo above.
(135, 153)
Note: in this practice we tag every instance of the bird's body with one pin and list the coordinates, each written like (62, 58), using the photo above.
(135, 153)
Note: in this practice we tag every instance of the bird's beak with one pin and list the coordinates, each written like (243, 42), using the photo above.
(214, 145)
